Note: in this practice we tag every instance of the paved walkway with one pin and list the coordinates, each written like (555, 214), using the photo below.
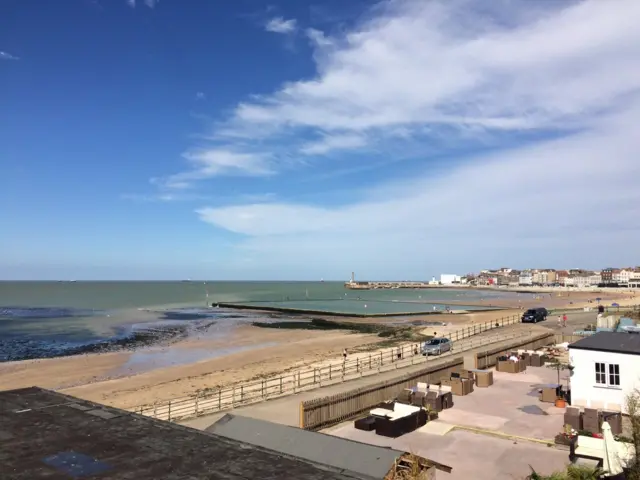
(286, 410)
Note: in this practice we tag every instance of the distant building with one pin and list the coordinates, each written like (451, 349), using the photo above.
(607, 275)
(561, 276)
(622, 276)
(525, 278)
(449, 279)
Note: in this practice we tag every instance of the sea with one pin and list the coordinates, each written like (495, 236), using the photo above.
(49, 319)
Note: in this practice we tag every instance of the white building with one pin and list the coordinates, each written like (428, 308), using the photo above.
(606, 370)
(622, 277)
(525, 278)
(447, 279)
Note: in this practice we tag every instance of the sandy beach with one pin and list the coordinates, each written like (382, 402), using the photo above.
(127, 378)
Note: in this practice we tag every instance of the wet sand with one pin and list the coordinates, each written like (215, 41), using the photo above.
(126, 379)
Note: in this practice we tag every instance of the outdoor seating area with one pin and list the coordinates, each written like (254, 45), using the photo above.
(413, 408)
(511, 407)
(591, 420)
(393, 419)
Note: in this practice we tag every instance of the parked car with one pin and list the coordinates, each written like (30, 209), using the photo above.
(436, 346)
(534, 315)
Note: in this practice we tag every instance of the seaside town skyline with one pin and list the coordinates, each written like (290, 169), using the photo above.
(574, 277)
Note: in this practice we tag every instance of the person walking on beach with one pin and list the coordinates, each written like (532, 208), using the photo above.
(564, 320)
(344, 354)
(559, 321)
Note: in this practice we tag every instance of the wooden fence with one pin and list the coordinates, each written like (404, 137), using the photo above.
(288, 383)
(323, 412)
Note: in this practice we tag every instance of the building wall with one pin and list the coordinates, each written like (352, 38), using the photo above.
(585, 391)
(446, 279)
(525, 280)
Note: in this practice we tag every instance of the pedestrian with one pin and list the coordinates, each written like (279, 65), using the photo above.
(564, 320)
(559, 321)
(415, 349)
(344, 354)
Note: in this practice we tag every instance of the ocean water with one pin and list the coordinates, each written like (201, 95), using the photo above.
(44, 319)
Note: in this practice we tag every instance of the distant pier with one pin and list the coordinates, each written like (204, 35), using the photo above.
(353, 285)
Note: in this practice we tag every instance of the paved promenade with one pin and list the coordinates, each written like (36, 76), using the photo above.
(286, 410)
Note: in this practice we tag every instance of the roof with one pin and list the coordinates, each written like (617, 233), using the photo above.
(616, 342)
(45, 434)
(363, 460)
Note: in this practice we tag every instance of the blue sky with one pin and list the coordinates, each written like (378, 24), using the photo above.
(306, 139)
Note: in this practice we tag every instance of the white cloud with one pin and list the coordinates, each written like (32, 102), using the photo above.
(8, 56)
(318, 38)
(214, 162)
(201, 96)
(561, 202)
(148, 3)
(280, 25)
(330, 143)
(449, 72)
(452, 64)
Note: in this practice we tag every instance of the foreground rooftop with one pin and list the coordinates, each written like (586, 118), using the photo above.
(45, 434)
(614, 342)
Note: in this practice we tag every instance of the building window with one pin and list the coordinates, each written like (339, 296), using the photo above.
(601, 376)
(614, 375)
(608, 374)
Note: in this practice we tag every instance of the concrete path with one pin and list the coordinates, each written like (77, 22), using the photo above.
(286, 410)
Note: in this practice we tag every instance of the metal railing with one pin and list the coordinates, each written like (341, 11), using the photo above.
(287, 383)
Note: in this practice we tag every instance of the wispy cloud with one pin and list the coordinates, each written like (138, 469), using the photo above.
(214, 162)
(457, 71)
(318, 37)
(535, 198)
(148, 3)
(201, 96)
(460, 64)
(280, 25)
(328, 143)
(8, 56)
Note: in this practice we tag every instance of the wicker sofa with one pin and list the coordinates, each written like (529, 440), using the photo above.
(394, 420)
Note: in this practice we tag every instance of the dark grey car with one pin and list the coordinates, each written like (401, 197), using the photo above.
(436, 346)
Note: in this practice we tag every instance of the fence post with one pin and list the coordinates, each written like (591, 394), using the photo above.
(298, 378)
(155, 410)
(329, 371)
(197, 396)
(280, 383)
(314, 376)
(381, 361)
(262, 387)
(241, 393)
(369, 360)
(233, 396)
(169, 412)
(357, 365)
(220, 398)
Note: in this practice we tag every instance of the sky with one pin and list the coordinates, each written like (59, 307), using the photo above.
(299, 140)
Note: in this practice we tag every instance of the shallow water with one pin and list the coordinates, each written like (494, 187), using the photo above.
(151, 358)
(45, 319)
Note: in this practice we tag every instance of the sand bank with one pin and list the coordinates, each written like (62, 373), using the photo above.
(249, 352)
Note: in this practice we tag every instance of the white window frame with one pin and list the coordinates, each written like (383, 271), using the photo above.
(611, 376)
